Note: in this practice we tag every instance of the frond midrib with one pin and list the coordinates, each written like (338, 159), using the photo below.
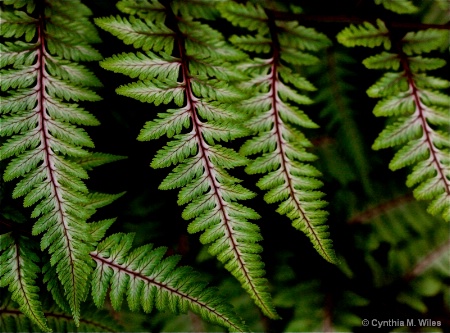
(47, 150)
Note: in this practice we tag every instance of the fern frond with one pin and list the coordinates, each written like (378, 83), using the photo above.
(275, 121)
(41, 79)
(148, 281)
(18, 272)
(205, 116)
(420, 128)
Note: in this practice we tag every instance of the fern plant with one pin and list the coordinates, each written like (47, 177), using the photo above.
(206, 107)
(47, 153)
(260, 101)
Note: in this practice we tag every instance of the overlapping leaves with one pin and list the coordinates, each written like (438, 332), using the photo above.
(188, 64)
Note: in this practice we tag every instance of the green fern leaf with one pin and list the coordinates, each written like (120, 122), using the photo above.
(71, 50)
(98, 229)
(170, 123)
(301, 38)
(246, 15)
(17, 24)
(384, 60)
(183, 174)
(401, 132)
(73, 73)
(389, 84)
(291, 56)
(145, 66)
(17, 54)
(18, 272)
(42, 139)
(424, 41)
(17, 79)
(214, 69)
(140, 33)
(146, 9)
(424, 81)
(274, 121)
(72, 113)
(153, 92)
(148, 281)
(365, 35)
(206, 100)
(68, 91)
(176, 151)
(419, 63)
(257, 43)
